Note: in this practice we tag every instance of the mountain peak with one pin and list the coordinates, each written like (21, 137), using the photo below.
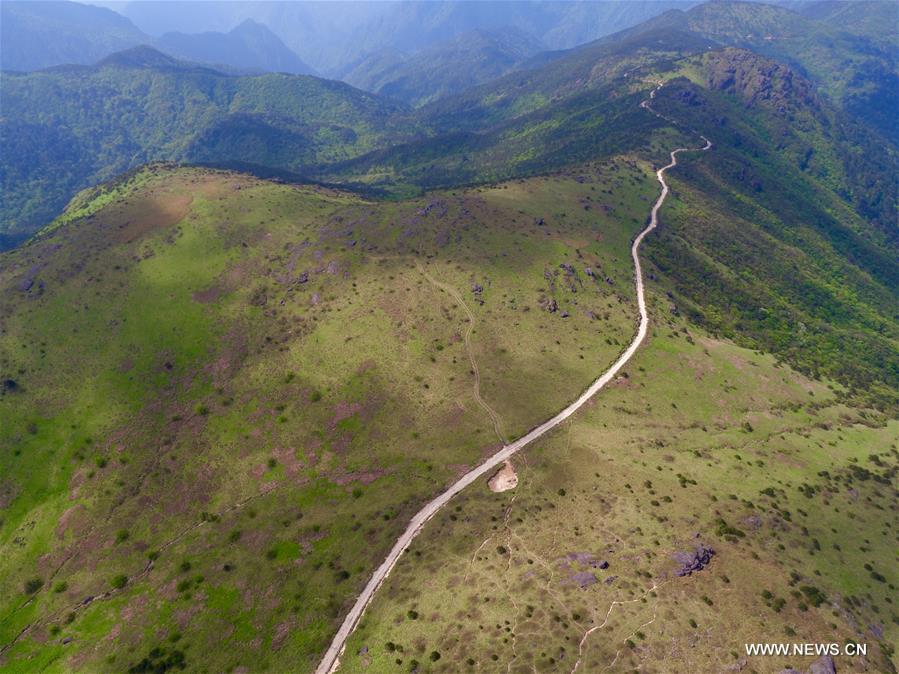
(142, 56)
(249, 26)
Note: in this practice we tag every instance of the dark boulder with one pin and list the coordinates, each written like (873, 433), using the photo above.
(694, 561)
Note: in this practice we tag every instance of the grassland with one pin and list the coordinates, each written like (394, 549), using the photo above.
(259, 386)
(704, 443)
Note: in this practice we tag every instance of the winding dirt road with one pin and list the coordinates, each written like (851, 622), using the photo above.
(331, 659)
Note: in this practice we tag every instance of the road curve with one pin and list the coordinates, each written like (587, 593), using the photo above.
(331, 659)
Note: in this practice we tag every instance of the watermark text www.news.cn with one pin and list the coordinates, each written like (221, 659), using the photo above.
(794, 649)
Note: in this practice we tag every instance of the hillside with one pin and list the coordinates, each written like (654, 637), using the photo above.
(559, 108)
(870, 18)
(249, 46)
(224, 398)
(446, 68)
(289, 362)
(578, 106)
(67, 128)
(35, 35)
(858, 73)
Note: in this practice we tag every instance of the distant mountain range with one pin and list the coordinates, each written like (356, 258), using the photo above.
(446, 68)
(331, 36)
(36, 35)
(249, 46)
(39, 35)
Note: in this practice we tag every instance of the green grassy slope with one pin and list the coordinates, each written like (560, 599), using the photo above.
(260, 384)
(223, 398)
(704, 443)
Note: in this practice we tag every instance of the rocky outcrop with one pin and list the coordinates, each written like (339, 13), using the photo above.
(691, 562)
(757, 80)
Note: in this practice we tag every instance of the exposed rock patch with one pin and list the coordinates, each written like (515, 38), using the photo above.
(693, 561)
(504, 479)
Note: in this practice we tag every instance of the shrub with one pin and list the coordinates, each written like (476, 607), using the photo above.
(33, 585)
(728, 532)
(119, 581)
(814, 595)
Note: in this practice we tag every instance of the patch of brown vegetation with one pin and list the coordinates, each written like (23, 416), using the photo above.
(343, 410)
(146, 213)
(363, 477)
(210, 295)
(287, 457)
(74, 518)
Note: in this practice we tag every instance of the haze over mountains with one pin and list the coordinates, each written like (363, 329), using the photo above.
(253, 320)
(53, 144)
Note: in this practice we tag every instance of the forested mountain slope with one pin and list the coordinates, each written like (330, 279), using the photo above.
(446, 68)
(69, 127)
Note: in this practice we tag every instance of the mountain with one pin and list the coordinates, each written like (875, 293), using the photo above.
(869, 18)
(39, 35)
(444, 69)
(35, 35)
(861, 75)
(64, 129)
(249, 46)
(332, 37)
(525, 123)
(224, 399)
